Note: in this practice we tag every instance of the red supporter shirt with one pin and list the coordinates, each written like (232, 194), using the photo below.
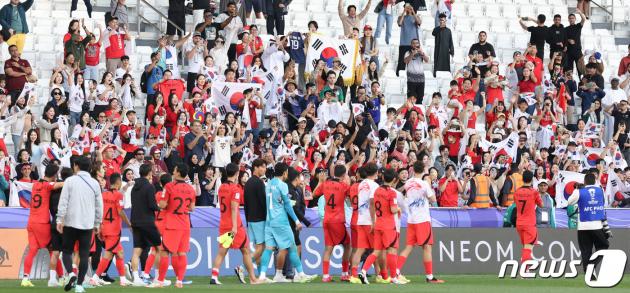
(175, 86)
(384, 200)
(229, 193)
(538, 67)
(353, 193)
(526, 86)
(127, 133)
(453, 148)
(112, 205)
(180, 196)
(335, 193)
(112, 166)
(526, 199)
(39, 212)
(449, 197)
(92, 54)
(252, 114)
(494, 93)
(116, 47)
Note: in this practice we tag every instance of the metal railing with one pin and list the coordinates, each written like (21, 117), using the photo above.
(163, 20)
(610, 11)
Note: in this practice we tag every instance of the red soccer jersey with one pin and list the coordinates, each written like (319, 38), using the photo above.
(335, 192)
(112, 205)
(112, 166)
(179, 196)
(40, 202)
(353, 193)
(526, 199)
(159, 215)
(384, 200)
(130, 137)
(229, 193)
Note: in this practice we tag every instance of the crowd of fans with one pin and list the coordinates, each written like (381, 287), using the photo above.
(550, 106)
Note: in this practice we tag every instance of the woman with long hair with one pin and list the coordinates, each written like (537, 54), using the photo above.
(105, 92)
(82, 134)
(157, 107)
(180, 130)
(157, 130)
(59, 102)
(127, 91)
(22, 121)
(31, 145)
(175, 105)
(76, 99)
(47, 123)
(221, 147)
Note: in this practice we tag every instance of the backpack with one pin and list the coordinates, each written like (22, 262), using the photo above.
(143, 82)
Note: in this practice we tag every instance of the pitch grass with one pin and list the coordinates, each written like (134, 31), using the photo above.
(455, 283)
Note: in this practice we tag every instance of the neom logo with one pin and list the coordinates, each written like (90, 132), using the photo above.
(611, 263)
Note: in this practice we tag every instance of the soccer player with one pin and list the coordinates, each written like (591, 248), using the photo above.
(178, 203)
(416, 202)
(154, 254)
(230, 194)
(38, 225)
(335, 190)
(384, 210)
(363, 227)
(111, 229)
(278, 233)
(526, 199)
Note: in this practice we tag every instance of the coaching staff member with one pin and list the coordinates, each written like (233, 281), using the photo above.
(80, 211)
(591, 216)
(143, 208)
(256, 207)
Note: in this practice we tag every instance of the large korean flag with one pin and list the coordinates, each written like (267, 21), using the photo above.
(566, 184)
(327, 48)
(228, 95)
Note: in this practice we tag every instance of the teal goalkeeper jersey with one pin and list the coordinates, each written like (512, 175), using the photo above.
(278, 204)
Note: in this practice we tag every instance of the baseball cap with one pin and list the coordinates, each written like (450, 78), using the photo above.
(367, 27)
(197, 34)
(302, 119)
(543, 181)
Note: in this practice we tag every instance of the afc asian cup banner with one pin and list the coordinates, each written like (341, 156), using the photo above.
(228, 96)
(565, 185)
(20, 195)
(327, 49)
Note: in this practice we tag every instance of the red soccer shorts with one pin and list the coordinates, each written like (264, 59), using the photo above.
(39, 235)
(384, 239)
(364, 238)
(335, 234)
(112, 243)
(528, 234)
(354, 235)
(419, 234)
(241, 240)
(176, 240)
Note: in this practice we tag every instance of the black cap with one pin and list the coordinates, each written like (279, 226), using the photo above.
(572, 143)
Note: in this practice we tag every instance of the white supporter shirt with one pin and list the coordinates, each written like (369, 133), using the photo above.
(196, 62)
(416, 203)
(367, 187)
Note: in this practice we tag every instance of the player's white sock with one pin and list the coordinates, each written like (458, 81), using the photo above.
(96, 276)
(397, 272)
(123, 279)
(278, 273)
(145, 275)
(325, 276)
(135, 275)
(430, 276)
(262, 275)
(52, 275)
